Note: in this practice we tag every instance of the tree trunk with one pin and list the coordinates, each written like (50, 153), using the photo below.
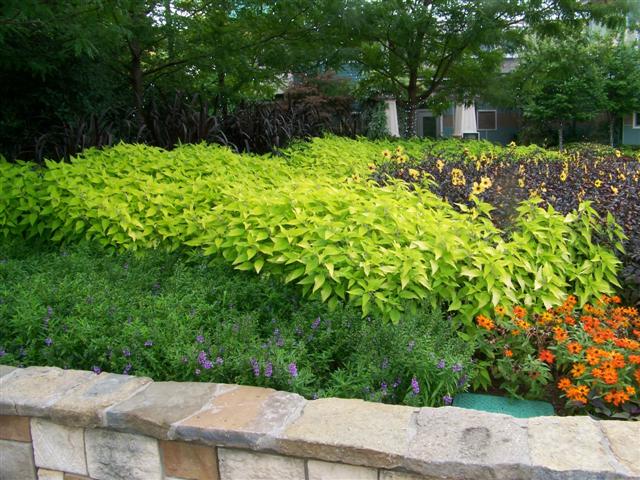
(561, 137)
(221, 100)
(412, 94)
(137, 84)
(611, 130)
(171, 38)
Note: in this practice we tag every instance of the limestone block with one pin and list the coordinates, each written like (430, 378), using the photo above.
(152, 410)
(241, 417)
(86, 404)
(624, 439)
(15, 428)
(185, 460)
(318, 470)
(349, 431)
(16, 461)
(574, 447)
(31, 391)
(44, 474)
(57, 447)
(114, 455)
(244, 465)
(391, 475)
(461, 443)
(6, 370)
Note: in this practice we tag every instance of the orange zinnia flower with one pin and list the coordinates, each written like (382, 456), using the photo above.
(617, 397)
(485, 322)
(546, 356)
(617, 360)
(574, 347)
(635, 359)
(578, 369)
(519, 312)
(500, 310)
(508, 353)
(578, 394)
(593, 356)
(560, 334)
(564, 383)
(546, 317)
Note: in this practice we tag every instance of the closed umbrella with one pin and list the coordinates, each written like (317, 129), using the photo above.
(392, 117)
(464, 122)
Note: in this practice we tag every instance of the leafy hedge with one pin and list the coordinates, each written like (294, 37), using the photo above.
(297, 217)
(584, 172)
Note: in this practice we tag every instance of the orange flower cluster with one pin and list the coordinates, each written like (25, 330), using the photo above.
(618, 397)
(601, 350)
(576, 393)
(597, 347)
(485, 322)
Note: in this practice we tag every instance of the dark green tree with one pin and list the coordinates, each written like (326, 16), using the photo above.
(560, 81)
(620, 64)
(430, 51)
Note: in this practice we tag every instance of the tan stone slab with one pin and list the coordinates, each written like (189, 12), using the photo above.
(153, 410)
(241, 417)
(391, 475)
(242, 465)
(571, 446)
(185, 460)
(15, 428)
(459, 443)
(624, 439)
(44, 474)
(31, 391)
(85, 406)
(58, 447)
(73, 476)
(6, 370)
(122, 456)
(16, 461)
(349, 431)
(317, 470)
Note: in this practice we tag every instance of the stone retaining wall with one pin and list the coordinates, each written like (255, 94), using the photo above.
(72, 425)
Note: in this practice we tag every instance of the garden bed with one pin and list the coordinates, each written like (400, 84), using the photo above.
(385, 307)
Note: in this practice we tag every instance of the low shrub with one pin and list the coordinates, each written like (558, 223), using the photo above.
(162, 316)
(591, 354)
(584, 173)
(296, 218)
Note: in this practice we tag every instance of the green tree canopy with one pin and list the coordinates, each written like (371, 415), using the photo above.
(430, 51)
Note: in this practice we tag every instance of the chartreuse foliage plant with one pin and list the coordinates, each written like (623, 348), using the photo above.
(308, 216)
(606, 177)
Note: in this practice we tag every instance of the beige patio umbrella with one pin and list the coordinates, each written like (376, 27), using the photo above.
(391, 112)
(465, 124)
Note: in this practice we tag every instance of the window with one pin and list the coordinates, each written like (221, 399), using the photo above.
(636, 120)
(487, 120)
